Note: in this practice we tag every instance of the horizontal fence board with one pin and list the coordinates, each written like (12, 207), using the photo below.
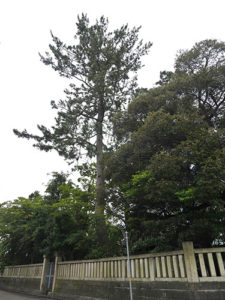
(120, 258)
(205, 279)
(126, 279)
(210, 250)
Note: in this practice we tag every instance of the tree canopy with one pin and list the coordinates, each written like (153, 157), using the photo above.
(163, 179)
(169, 166)
(62, 220)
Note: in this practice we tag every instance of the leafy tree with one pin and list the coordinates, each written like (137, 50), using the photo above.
(180, 196)
(169, 166)
(61, 220)
(41, 225)
(17, 221)
(52, 192)
(200, 73)
(101, 65)
(196, 85)
(171, 178)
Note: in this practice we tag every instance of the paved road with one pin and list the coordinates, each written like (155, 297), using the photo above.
(13, 296)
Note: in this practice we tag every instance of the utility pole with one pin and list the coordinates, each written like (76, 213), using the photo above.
(128, 266)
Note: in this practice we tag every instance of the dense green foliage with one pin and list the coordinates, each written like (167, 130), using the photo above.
(61, 220)
(170, 166)
(164, 178)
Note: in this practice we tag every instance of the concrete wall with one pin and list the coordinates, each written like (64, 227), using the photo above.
(29, 286)
(117, 290)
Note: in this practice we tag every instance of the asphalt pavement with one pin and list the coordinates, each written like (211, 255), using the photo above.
(14, 296)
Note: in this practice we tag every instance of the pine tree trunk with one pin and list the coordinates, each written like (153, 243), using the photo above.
(100, 187)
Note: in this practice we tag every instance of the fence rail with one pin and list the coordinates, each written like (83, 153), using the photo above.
(164, 266)
(31, 271)
(210, 263)
(188, 264)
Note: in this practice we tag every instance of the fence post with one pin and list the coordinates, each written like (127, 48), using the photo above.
(190, 262)
(152, 268)
(42, 284)
(57, 260)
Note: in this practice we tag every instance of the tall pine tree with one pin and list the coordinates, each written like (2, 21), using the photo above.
(103, 66)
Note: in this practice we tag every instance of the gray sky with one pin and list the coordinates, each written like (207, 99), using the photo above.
(27, 86)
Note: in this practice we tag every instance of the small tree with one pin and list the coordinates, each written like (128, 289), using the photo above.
(101, 64)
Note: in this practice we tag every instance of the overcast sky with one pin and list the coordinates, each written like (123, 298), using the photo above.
(27, 86)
